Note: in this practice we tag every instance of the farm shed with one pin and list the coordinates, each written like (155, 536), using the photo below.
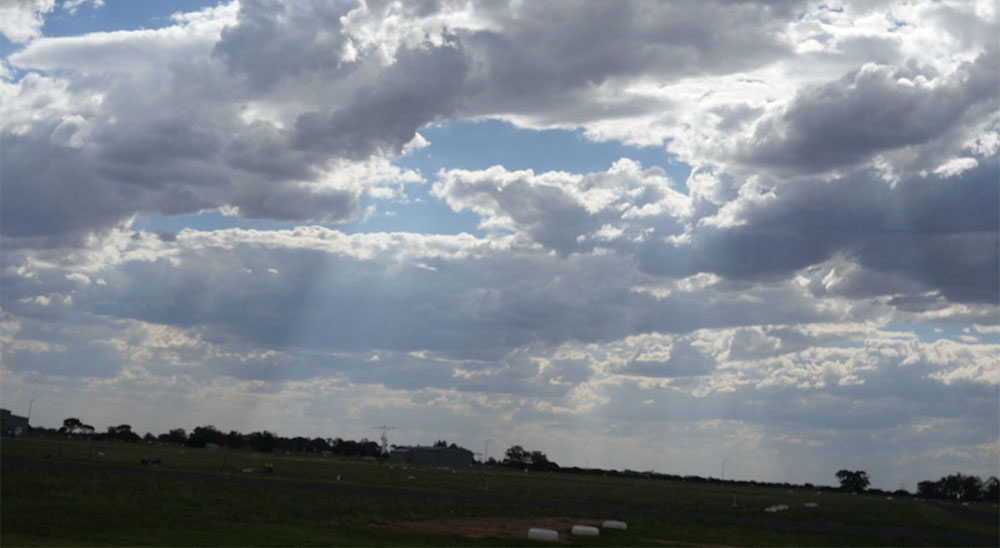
(452, 457)
(12, 425)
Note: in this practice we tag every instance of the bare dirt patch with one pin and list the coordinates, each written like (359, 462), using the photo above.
(492, 527)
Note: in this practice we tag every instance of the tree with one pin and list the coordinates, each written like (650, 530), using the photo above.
(122, 432)
(176, 435)
(261, 441)
(539, 461)
(960, 486)
(74, 425)
(991, 489)
(235, 440)
(516, 456)
(930, 489)
(203, 435)
(853, 482)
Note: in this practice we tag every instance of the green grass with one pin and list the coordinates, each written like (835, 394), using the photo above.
(70, 493)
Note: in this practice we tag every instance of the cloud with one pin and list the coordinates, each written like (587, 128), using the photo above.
(781, 303)
(261, 132)
(72, 6)
(22, 20)
(871, 110)
(131, 147)
(568, 212)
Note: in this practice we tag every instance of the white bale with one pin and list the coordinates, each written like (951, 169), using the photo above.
(585, 531)
(612, 524)
(536, 533)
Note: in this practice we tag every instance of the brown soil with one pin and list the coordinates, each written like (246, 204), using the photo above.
(492, 527)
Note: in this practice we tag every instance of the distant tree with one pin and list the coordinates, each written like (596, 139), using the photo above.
(235, 440)
(261, 441)
(441, 443)
(73, 425)
(203, 435)
(317, 445)
(957, 486)
(961, 487)
(122, 432)
(930, 489)
(298, 444)
(176, 435)
(991, 489)
(148, 438)
(516, 456)
(853, 482)
(539, 461)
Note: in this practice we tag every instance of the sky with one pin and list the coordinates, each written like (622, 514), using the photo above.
(696, 237)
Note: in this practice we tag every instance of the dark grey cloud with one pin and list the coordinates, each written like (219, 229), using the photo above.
(48, 196)
(871, 110)
(550, 49)
(421, 87)
(938, 232)
(273, 41)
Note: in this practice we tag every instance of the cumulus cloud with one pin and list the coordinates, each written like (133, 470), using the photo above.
(568, 212)
(122, 138)
(22, 20)
(874, 109)
(843, 160)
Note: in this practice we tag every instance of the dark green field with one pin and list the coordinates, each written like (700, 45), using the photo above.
(68, 493)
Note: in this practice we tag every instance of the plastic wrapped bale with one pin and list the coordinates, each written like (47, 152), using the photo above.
(537, 533)
(585, 531)
(614, 524)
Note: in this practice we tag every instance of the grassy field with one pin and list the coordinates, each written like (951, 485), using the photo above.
(69, 493)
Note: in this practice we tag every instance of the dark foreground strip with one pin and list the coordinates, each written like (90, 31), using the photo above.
(556, 508)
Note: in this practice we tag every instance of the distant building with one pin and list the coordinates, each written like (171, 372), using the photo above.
(451, 457)
(12, 425)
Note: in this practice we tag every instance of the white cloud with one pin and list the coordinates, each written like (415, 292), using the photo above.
(956, 166)
(72, 6)
(22, 20)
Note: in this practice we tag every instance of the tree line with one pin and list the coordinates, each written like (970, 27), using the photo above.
(208, 435)
(955, 486)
